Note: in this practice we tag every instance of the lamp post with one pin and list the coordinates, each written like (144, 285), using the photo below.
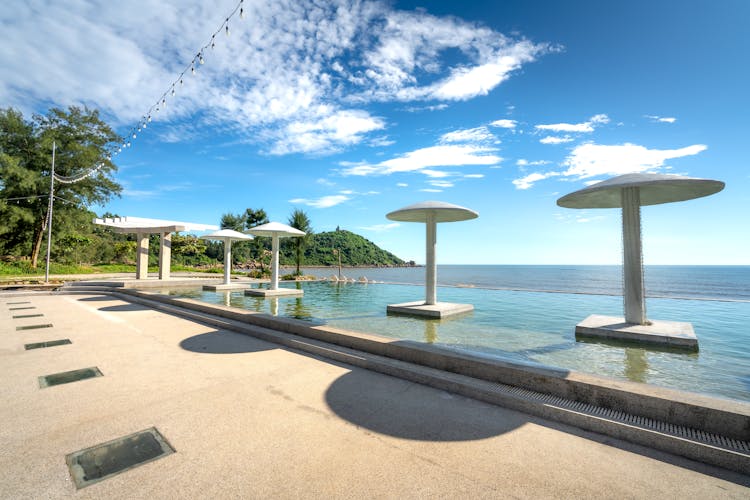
(49, 212)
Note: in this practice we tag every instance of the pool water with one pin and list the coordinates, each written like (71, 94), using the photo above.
(533, 327)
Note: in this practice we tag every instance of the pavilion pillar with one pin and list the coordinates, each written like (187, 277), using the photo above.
(632, 275)
(141, 257)
(165, 256)
(275, 262)
(227, 260)
(430, 263)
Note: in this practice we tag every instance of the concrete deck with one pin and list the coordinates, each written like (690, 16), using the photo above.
(230, 286)
(249, 418)
(436, 311)
(670, 333)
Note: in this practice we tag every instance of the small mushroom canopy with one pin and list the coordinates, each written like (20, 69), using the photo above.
(654, 190)
(276, 229)
(226, 234)
(443, 212)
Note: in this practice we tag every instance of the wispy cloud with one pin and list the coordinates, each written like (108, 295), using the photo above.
(380, 227)
(522, 162)
(504, 123)
(584, 127)
(449, 155)
(402, 184)
(474, 135)
(589, 160)
(297, 76)
(661, 119)
(529, 180)
(431, 190)
(322, 202)
(556, 140)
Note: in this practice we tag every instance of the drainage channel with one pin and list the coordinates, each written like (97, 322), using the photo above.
(21, 316)
(21, 308)
(49, 343)
(18, 303)
(104, 460)
(33, 327)
(68, 377)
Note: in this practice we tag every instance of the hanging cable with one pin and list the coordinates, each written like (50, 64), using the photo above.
(161, 102)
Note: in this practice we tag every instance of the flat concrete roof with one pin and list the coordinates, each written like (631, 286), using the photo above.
(248, 418)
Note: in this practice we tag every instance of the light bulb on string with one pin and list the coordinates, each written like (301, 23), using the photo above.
(242, 11)
(226, 29)
(149, 118)
(192, 68)
(200, 58)
(157, 109)
(164, 102)
(133, 135)
(213, 42)
(172, 90)
(128, 143)
(181, 82)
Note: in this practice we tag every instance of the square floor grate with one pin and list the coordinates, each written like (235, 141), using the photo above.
(19, 303)
(21, 316)
(50, 343)
(68, 377)
(113, 457)
(21, 308)
(33, 327)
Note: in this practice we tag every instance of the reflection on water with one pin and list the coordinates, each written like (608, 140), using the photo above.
(533, 327)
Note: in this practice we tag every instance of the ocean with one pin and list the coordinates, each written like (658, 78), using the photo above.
(527, 314)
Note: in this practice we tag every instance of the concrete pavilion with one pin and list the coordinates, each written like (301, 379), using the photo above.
(227, 236)
(431, 213)
(275, 231)
(629, 192)
(143, 228)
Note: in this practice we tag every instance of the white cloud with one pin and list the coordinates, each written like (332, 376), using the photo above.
(449, 155)
(295, 76)
(402, 184)
(585, 127)
(381, 142)
(504, 123)
(478, 134)
(441, 184)
(473, 176)
(322, 202)
(430, 190)
(589, 160)
(661, 119)
(417, 109)
(556, 140)
(380, 227)
(524, 163)
(325, 182)
(435, 174)
(529, 180)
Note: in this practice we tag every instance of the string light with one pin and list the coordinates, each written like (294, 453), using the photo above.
(238, 9)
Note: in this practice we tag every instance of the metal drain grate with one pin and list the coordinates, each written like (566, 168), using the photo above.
(21, 316)
(19, 303)
(119, 455)
(50, 343)
(626, 418)
(68, 377)
(33, 327)
(21, 308)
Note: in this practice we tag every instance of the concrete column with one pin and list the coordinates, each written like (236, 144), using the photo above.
(165, 256)
(141, 256)
(632, 276)
(227, 260)
(275, 262)
(430, 264)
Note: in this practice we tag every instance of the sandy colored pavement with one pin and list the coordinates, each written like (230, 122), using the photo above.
(249, 419)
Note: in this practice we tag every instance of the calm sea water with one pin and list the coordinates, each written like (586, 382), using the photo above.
(517, 318)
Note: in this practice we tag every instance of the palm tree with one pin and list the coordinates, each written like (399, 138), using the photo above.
(300, 220)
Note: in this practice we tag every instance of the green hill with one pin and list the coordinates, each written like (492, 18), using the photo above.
(355, 251)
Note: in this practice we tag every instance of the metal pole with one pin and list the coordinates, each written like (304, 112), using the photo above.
(49, 211)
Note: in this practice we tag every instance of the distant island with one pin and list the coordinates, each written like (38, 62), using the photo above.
(324, 249)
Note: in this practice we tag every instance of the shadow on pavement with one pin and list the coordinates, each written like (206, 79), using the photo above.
(223, 343)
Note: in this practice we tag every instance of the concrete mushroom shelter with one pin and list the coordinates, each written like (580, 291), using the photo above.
(275, 230)
(430, 213)
(227, 236)
(629, 192)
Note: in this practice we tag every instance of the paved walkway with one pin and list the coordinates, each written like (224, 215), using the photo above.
(250, 419)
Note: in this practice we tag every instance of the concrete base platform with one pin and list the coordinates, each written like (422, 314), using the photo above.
(672, 333)
(439, 310)
(230, 286)
(279, 292)
(150, 282)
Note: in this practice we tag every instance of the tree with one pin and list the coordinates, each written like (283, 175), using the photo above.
(82, 140)
(300, 220)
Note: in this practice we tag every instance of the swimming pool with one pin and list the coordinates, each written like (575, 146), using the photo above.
(533, 327)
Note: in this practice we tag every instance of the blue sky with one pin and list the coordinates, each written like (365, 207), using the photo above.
(350, 110)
